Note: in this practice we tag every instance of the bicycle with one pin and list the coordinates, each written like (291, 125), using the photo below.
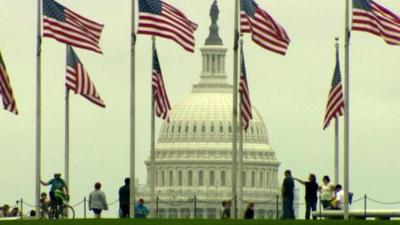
(62, 211)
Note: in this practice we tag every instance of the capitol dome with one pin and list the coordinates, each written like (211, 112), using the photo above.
(193, 153)
(202, 124)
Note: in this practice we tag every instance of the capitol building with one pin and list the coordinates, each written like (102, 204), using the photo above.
(193, 153)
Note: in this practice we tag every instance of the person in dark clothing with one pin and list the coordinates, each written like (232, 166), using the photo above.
(249, 213)
(288, 196)
(226, 212)
(311, 194)
(124, 198)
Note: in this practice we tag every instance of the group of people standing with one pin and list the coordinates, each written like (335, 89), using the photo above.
(331, 195)
(97, 199)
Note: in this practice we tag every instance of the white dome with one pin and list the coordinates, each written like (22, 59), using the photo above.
(207, 116)
(200, 126)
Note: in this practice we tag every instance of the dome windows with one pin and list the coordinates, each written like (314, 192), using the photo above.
(162, 178)
(194, 128)
(212, 129)
(244, 178)
(187, 128)
(253, 179)
(212, 178)
(180, 178)
(171, 178)
(221, 129)
(201, 178)
(203, 129)
(179, 129)
(156, 178)
(223, 178)
(190, 178)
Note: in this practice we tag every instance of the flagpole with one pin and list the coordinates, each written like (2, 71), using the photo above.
(152, 137)
(235, 109)
(132, 115)
(241, 147)
(336, 151)
(336, 166)
(346, 114)
(66, 164)
(66, 134)
(38, 108)
(240, 161)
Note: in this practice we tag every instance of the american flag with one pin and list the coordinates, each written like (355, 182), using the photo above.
(245, 106)
(373, 18)
(335, 105)
(77, 79)
(69, 27)
(161, 101)
(265, 31)
(6, 90)
(158, 18)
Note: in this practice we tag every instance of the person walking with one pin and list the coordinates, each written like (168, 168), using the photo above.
(249, 213)
(97, 201)
(327, 192)
(141, 211)
(124, 198)
(311, 194)
(288, 196)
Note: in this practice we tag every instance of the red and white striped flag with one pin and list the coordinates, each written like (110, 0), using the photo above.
(6, 90)
(157, 18)
(369, 16)
(245, 108)
(265, 31)
(335, 105)
(77, 79)
(69, 27)
(161, 102)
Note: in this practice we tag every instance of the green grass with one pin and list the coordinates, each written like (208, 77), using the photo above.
(194, 222)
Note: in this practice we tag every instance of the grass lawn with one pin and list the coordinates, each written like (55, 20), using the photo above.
(192, 222)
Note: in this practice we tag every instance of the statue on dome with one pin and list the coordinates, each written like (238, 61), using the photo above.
(213, 38)
(214, 12)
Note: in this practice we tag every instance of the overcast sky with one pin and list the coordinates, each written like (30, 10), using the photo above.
(290, 93)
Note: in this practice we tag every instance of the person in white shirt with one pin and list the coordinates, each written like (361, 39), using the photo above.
(339, 197)
(327, 193)
(97, 201)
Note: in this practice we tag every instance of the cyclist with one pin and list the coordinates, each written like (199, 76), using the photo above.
(56, 184)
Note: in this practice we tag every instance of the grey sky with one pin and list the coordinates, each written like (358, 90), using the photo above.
(290, 93)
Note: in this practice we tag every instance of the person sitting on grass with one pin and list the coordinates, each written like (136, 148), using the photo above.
(141, 211)
(15, 212)
(5, 211)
